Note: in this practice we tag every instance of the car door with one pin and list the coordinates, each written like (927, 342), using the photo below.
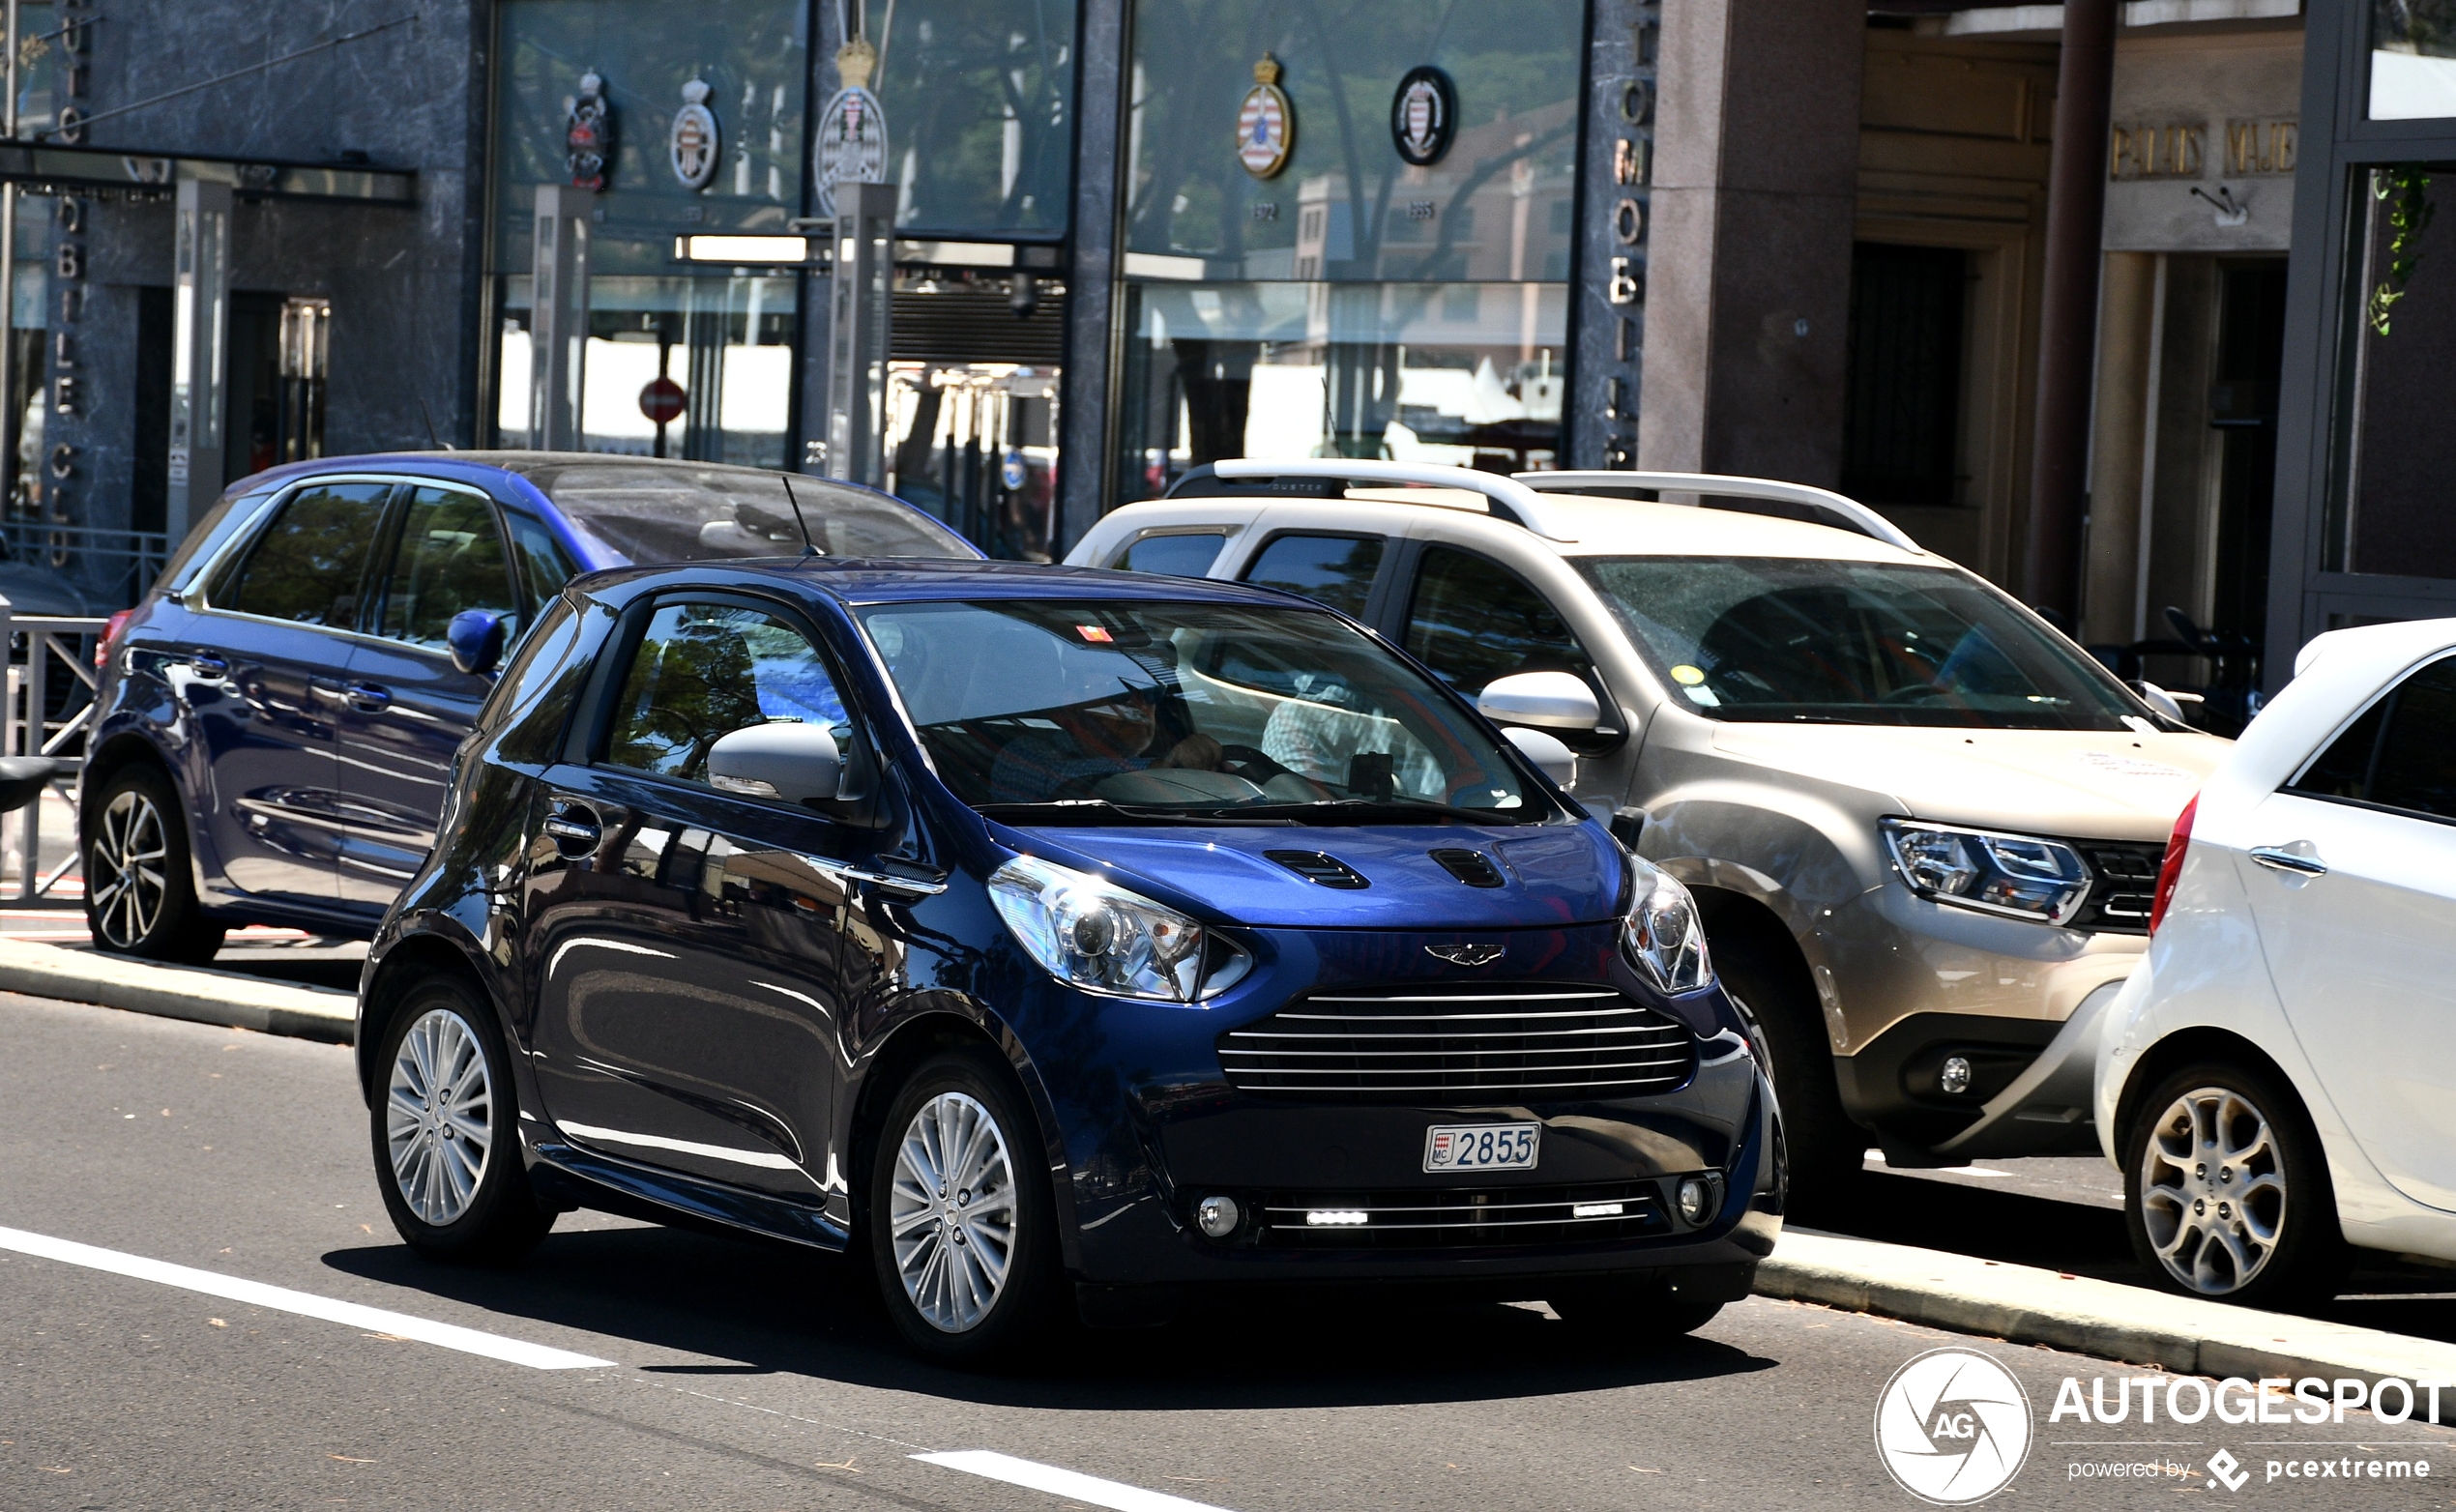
(2352, 873)
(405, 706)
(684, 944)
(262, 679)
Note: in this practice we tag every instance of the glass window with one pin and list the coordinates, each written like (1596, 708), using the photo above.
(1796, 639)
(310, 563)
(2387, 507)
(1473, 619)
(2417, 769)
(705, 670)
(2344, 769)
(544, 566)
(1146, 705)
(980, 101)
(2412, 59)
(1902, 388)
(1186, 555)
(647, 513)
(533, 665)
(1333, 569)
(449, 559)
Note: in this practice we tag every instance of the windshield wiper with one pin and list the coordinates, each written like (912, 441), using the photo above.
(1372, 810)
(1101, 811)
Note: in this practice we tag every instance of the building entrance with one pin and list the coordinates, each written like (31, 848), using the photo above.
(972, 405)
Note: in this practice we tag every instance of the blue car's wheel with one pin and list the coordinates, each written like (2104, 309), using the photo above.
(140, 892)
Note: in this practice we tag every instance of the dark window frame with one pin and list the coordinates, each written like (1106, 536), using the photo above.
(2384, 701)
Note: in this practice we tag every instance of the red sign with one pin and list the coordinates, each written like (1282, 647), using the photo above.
(661, 400)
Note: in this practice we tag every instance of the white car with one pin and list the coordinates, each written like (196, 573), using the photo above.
(2277, 1081)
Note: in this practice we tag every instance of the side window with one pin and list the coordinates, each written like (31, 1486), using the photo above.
(1182, 554)
(310, 563)
(532, 664)
(2416, 766)
(449, 559)
(1333, 569)
(705, 670)
(2344, 769)
(545, 567)
(1473, 619)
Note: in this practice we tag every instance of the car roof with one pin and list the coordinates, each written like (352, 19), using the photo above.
(864, 581)
(536, 468)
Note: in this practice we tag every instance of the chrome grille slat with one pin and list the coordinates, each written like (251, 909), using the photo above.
(1448, 1018)
(1455, 1218)
(1663, 1036)
(1469, 996)
(1413, 1071)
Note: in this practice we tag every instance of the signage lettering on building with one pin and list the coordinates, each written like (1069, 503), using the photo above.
(2173, 151)
(2254, 147)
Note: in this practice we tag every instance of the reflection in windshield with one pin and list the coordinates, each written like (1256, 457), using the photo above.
(1185, 706)
(661, 512)
(1774, 639)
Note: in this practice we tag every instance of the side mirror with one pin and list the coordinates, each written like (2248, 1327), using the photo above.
(788, 763)
(476, 637)
(1542, 700)
(1552, 758)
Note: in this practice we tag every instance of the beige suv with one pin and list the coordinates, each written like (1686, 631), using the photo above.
(1923, 827)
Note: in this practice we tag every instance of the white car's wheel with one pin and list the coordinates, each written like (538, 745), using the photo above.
(2226, 1192)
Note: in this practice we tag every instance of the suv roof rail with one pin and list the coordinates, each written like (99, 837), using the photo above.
(1520, 499)
(1822, 505)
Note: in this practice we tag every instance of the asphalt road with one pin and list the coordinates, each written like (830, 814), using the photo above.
(741, 1376)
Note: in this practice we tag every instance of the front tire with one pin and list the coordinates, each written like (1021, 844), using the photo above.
(1825, 1151)
(2226, 1190)
(961, 1221)
(141, 891)
(446, 1125)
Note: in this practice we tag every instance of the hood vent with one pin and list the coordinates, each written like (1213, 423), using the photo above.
(1328, 870)
(1473, 867)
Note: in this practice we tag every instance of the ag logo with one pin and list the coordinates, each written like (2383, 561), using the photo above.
(1952, 1427)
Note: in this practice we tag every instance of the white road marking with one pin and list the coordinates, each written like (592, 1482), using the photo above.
(369, 1320)
(1072, 1485)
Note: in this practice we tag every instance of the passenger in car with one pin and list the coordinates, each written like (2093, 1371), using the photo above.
(1092, 741)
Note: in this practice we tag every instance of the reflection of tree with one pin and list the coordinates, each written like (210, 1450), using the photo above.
(2428, 26)
(691, 683)
(958, 78)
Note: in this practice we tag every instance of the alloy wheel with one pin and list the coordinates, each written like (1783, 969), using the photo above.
(952, 1212)
(2212, 1190)
(124, 870)
(439, 1117)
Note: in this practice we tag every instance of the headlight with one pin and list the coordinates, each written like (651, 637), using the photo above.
(1661, 934)
(2011, 874)
(1092, 934)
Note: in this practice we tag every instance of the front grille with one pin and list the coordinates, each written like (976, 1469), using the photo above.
(1516, 1041)
(2125, 884)
(1402, 1220)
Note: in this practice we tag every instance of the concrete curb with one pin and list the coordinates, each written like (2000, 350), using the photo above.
(2026, 1305)
(177, 991)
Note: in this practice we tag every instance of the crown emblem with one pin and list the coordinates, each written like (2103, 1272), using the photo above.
(1267, 72)
(855, 61)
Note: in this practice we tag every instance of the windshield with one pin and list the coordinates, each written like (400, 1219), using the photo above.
(1131, 712)
(663, 513)
(1776, 639)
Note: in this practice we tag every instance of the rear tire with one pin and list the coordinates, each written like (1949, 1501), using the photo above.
(1825, 1150)
(141, 888)
(446, 1124)
(962, 1224)
(2226, 1190)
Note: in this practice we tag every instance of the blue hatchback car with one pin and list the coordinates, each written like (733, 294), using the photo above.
(276, 721)
(1052, 937)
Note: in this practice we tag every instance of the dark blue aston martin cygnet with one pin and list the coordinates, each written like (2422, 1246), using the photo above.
(1058, 939)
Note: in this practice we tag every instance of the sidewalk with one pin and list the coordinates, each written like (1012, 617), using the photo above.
(181, 992)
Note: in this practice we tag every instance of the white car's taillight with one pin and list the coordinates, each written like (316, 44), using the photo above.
(2171, 869)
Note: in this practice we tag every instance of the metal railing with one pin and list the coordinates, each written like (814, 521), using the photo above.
(45, 713)
(112, 568)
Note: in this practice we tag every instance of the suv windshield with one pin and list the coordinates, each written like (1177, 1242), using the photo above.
(661, 512)
(1777, 639)
(1133, 712)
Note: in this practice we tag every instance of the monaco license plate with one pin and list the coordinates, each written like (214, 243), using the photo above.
(1483, 1147)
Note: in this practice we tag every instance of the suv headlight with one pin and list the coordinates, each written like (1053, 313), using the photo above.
(2017, 875)
(1661, 934)
(1090, 932)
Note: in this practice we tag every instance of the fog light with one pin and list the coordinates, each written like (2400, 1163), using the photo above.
(1954, 1078)
(1696, 1200)
(1217, 1216)
(1335, 1218)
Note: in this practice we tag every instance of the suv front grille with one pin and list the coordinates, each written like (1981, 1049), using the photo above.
(2125, 885)
(1521, 1041)
(1403, 1219)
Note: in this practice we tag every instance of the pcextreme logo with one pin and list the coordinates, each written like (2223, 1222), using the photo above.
(1952, 1427)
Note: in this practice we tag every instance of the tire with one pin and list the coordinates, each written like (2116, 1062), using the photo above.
(2226, 1189)
(1633, 1315)
(141, 888)
(966, 1255)
(1825, 1151)
(449, 1207)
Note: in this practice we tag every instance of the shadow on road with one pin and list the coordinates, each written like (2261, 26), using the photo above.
(767, 1309)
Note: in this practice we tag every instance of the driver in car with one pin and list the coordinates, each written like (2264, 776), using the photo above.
(1093, 741)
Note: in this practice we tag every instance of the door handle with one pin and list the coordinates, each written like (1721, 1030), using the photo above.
(574, 831)
(2278, 858)
(205, 664)
(369, 698)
